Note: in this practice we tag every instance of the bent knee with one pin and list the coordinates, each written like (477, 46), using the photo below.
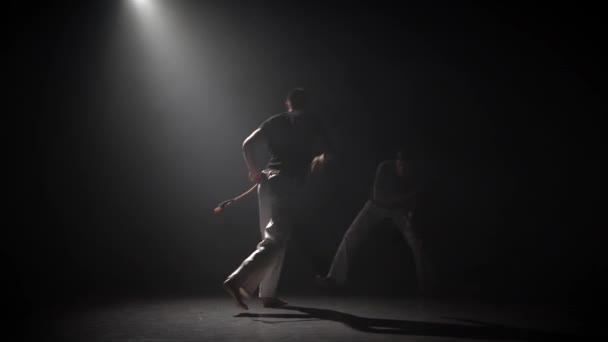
(270, 244)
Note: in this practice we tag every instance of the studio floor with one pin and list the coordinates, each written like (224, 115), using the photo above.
(216, 318)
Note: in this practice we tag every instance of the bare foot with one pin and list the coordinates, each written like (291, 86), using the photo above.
(272, 302)
(235, 292)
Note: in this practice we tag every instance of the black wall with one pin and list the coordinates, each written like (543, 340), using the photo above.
(487, 100)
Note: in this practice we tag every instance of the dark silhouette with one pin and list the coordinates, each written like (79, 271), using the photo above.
(394, 197)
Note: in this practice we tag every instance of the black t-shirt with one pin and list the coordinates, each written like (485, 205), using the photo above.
(389, 184)
(294, 139)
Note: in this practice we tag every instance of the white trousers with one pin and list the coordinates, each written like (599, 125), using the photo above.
(277, 196)
(364, 223)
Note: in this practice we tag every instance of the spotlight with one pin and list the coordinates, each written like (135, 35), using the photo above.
(140, 2)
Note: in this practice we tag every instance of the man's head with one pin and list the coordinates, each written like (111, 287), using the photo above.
(297, 99)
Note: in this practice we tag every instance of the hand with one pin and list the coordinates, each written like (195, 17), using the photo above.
(317, 163)
(255, 176)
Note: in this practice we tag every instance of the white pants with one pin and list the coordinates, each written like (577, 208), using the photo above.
(277, 196)
(362, 226)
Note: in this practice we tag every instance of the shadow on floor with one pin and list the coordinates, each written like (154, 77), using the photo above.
(402, 327)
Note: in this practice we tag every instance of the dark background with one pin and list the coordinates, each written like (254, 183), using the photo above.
(114, 185)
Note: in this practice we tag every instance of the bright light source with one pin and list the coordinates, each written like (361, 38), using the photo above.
(140, 3)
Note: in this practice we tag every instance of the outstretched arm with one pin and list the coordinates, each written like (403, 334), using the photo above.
(248, 153)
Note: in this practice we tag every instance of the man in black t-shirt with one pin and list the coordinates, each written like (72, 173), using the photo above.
(297, 146)
(394, 198)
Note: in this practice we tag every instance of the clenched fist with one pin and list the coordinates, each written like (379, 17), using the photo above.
(318, 163)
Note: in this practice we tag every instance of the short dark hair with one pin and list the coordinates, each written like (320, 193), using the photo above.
(298, 97)
(399, 155)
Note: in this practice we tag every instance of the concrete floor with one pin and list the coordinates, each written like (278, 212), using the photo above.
(306, 319)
